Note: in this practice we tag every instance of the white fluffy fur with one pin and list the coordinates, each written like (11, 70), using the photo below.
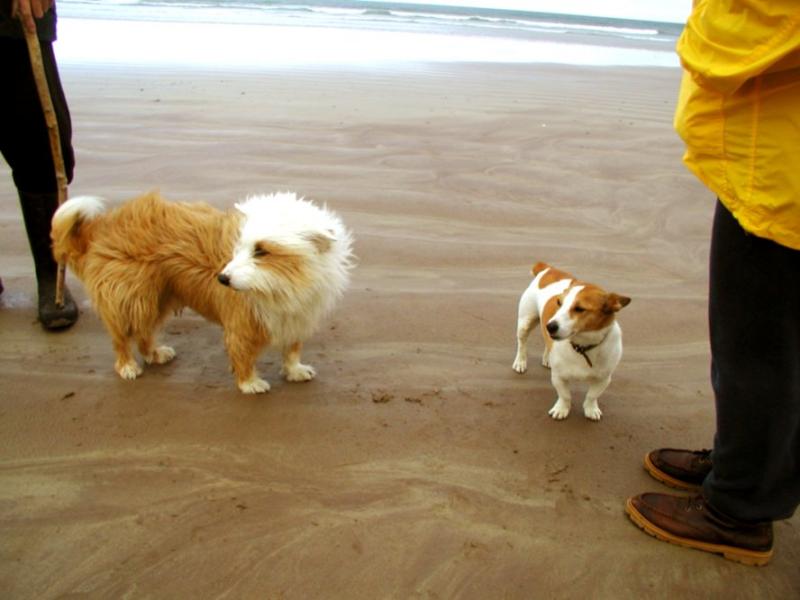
(294, 223)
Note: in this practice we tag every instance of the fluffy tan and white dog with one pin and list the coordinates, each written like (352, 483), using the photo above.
(583, 341)
(267, 271)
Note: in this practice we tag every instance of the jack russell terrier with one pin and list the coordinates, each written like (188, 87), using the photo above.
(583, 341)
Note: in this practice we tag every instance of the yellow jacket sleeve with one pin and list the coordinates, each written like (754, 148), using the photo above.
(727, 42)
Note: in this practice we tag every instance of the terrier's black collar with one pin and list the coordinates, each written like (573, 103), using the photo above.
(582, 350)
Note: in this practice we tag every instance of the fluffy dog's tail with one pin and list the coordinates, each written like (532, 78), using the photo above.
(70, 232)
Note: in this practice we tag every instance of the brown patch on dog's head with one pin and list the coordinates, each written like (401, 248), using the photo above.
(594, 309)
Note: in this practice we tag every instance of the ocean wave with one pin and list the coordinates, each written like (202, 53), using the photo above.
(377, 15)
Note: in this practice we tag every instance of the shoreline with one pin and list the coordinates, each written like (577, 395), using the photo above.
(263, 46)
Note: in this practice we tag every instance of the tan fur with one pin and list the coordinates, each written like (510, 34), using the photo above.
(550, 308)
(590, 311)
(148, 258)
(551, 276)
(598, 306)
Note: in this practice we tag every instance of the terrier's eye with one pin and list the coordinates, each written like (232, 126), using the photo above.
(558, 302)
(260, 252)
(579, 309)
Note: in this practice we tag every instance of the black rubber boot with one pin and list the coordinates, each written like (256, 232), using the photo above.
(37, 210)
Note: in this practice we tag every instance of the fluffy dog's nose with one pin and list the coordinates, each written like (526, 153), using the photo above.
(224, 279)
(552, 328)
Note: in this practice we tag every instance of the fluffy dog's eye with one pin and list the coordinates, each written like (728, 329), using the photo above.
(579, 309)
(558, 302)
(260, 252)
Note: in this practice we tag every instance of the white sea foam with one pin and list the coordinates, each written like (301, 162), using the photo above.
(252, 34)
(253, 46)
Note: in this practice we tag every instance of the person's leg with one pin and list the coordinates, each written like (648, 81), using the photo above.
(753, 477)
(25, 144)
(755, 348)
(24, 138)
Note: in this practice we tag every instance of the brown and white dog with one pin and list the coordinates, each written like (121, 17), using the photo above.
(583, 341)
(267, 271)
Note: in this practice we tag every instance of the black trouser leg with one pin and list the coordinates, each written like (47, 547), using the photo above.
(24, 139)
(754, 317)
(25, 144)
(37, 211)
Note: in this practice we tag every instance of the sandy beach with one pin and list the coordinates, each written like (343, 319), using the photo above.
(418, 464)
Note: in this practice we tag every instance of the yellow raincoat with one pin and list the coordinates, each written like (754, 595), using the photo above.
(739, 110)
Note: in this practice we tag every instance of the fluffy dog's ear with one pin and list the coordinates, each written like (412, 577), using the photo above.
(615, 303)
(322, 240)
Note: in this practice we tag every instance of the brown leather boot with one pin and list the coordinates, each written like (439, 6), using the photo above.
(682, 469)
(693, 523)
(37, 210)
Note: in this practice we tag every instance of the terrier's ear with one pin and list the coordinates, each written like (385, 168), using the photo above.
(539, 267)
(322, 240)
(615, 303)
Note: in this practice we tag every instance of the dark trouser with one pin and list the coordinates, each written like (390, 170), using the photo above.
(754, 316)
(24, 140)
(25, 144)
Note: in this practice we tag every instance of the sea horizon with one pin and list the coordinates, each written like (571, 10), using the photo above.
(270, 33)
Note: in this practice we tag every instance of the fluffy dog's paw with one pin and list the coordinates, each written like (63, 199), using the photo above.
(546, 362)
(592, 411)
(299, 372)
(254, 385)
(129, 371)
(520, 365)
(559, 411)
(161, 355)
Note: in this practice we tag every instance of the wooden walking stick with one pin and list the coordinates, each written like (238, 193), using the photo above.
(35, 53)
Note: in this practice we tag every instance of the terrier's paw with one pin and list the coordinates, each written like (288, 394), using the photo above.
(299, 372)
(129, 371)
(592, 411)
(560, 410)
(520, 365)
(254, 385)
(160, 356)
(546, 362)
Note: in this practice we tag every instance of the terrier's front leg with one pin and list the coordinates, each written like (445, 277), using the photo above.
(292, 368)
(590, 407)
(560, 409)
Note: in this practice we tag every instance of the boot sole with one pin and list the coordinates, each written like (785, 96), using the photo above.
(667, 479)
(743, 556)
(58, 323)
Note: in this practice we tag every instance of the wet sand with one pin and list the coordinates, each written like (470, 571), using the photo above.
(417, 464)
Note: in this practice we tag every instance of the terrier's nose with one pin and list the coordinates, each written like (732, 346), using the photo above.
(552, 327)
(224, 279)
